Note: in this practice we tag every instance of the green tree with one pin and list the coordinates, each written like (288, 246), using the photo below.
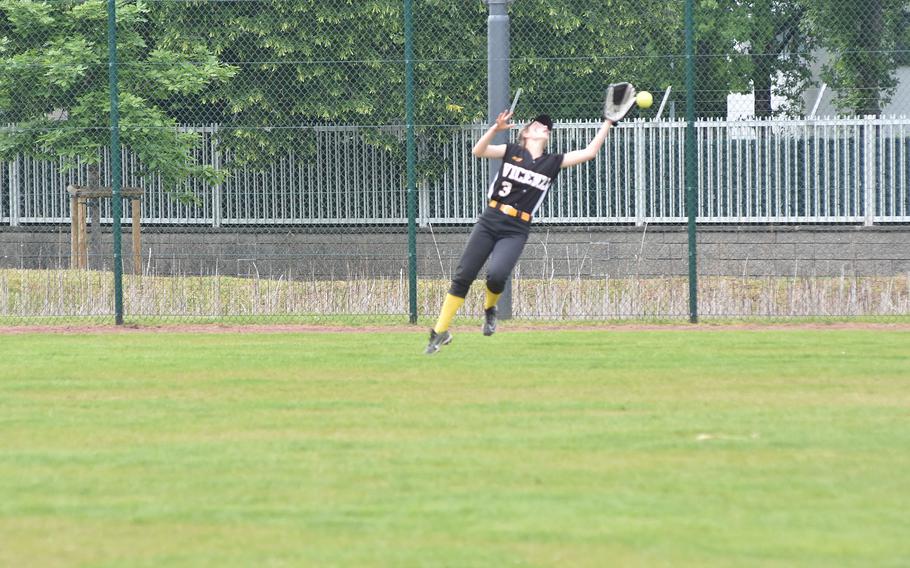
(864, 39)
(566, 52)
(722, 65)
(308, 63)
(780, 54)
(54, 86)
(767, 46)
(758, 46)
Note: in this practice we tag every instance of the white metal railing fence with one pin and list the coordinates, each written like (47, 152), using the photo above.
(757, 171)
(5, 175)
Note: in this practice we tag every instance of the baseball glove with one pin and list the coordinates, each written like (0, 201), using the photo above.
(620, 99)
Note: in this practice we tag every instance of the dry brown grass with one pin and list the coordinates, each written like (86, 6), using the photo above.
(79, 293)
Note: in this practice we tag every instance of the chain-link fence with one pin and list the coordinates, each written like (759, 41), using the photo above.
(265, 158)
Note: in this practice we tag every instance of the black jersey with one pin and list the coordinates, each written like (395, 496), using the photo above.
(522, 181)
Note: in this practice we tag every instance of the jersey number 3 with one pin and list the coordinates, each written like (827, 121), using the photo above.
(506, 189)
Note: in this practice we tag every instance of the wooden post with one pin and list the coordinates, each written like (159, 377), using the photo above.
(74, 232)
(93, 258)
(93, 207)
(78, 232)
(79, 229)
(83, 238)
(135, 206)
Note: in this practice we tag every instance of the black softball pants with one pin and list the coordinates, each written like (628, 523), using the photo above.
(497, 237)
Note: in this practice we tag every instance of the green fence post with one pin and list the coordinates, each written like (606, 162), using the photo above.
(691, 165)
(116, 203)
(412, 174)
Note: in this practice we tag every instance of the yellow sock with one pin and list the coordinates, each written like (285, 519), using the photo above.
(491, 299)
(449, 307)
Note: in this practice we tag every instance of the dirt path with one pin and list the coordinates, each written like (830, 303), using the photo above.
(505, 327)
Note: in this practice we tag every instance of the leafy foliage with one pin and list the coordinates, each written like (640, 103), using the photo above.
(54, 86)
(864, 39)
(270, 72)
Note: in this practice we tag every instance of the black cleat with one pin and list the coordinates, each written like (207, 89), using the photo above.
(437, 340)
(489, 322)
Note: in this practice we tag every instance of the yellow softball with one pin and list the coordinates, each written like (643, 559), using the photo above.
(644, 99)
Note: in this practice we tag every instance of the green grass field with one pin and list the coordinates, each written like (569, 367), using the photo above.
(727, 447)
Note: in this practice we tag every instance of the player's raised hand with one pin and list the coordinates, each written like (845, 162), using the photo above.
(502, 121)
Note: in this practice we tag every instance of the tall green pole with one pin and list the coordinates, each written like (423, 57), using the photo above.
(498, 65)
(116, 202)
(411, 150)
(691, 163)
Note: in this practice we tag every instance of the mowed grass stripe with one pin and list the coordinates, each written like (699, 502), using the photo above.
(583, 448)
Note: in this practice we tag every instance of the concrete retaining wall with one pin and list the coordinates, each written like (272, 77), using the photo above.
(551, 251)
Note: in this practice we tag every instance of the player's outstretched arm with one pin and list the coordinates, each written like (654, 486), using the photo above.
(576, 157)
(483, 148)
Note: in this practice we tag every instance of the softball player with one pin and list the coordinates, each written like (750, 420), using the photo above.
(500, 234)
